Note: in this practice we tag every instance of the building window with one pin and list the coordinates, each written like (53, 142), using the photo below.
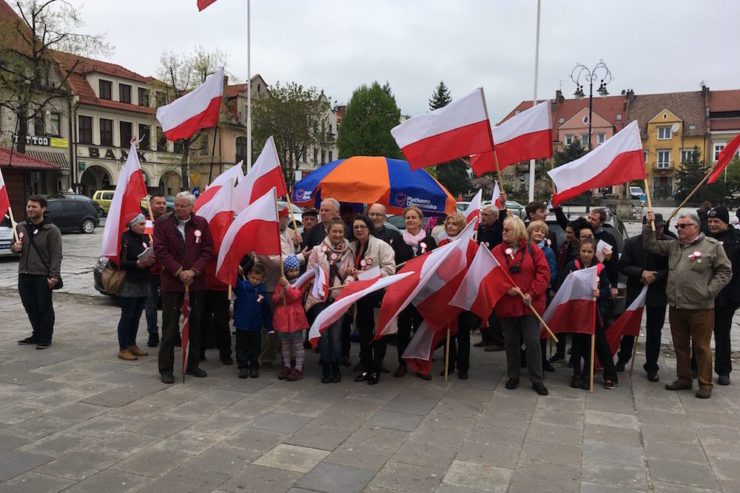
(106, 132)
(55, 124)
(241, 149)
(645, 156)
(601, 138)
(568, 139)
(161, 140)
(85, 129)
(331, 156)
(126, 133)
(323, 156)
(664, 159)
(179, 148)
(105, 89)
(584, 139)
(204, 145)
(160, 98)
(687, 155)
(143, 97)
(717, 149)
(124, 93)
(664, 133)
(39, 125)
(315, 156)
(144, 136)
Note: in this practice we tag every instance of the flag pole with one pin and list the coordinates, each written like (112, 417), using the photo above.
(249, 85)
(447, 355)
(634, 351)
(688, 197)
(12, 222)
(186, 344)
(280, 241)
(650, 208)
(290, 211)
(498, 173)
(591, 370)
(534, 99)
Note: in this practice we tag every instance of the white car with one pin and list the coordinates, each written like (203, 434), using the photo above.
(6, 240)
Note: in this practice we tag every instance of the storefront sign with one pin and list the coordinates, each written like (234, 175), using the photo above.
(111, 154)
(42, 141)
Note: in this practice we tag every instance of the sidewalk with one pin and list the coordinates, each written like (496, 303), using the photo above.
(75, 418)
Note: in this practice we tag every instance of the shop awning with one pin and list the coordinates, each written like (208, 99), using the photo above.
(14, 159)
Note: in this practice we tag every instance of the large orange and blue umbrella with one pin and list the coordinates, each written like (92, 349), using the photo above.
(367, 179)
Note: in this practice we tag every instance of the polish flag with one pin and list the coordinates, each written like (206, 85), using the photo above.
(197, 109)
(264, 175)
(724, 158)
(149, 227)
(126, 204)
(4, 199)
(473, 210)
(459, 129)
(350, 294)
(303, 280)
(320, 289)
(202, 4)
(219, 213)
(229, 177)
(618, 160)
(573, 309)
(256, 229)
(525, 136)
(483, 285)
(628, 323)
(496, 195)
(437, 276)
(418, 354)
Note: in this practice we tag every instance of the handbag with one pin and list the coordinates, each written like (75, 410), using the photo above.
(112, 278)
(47, 264)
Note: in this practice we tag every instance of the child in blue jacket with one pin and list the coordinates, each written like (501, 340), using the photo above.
(251, 313)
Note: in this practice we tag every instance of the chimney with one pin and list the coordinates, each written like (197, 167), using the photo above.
(559, 96)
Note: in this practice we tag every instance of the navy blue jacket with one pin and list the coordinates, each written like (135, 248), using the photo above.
(252, 307)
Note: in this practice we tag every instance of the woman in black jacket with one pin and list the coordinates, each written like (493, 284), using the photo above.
(135, 289)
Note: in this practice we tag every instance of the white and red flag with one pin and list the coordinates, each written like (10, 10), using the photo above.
(202, 4)
(195, 110)
(418, 354)
(573, 309)
(219, 213)
(320, 289)
(618, 160)
(266, 173)
(231, 176)
(628, 323)
(496, 196)
(473, 210)
(525, 136)
(457, 130)
(350, 294)
(126, 204)
(724, 158)
(255, 229)
(4, 199)
(304, 279)
(483, 285)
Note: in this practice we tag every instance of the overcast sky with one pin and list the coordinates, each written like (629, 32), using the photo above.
(336, 45)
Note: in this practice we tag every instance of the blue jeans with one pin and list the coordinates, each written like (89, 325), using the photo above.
(330, 344)
(128, 325)
(152, 302)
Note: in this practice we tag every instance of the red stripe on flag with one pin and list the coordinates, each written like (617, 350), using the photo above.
(535, 145)
(205, 197)
(577, 316)
(4, 201)
(205, 119)
(218, 226)
(628, 324)
(463, 141)
(256, 236)
(202, 4)
(629, 165)
(724, 158)
(263, 184)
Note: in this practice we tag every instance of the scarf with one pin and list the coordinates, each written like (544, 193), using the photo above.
(339, 253)
(414, 240)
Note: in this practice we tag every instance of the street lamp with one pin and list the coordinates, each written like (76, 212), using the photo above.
(581, 75)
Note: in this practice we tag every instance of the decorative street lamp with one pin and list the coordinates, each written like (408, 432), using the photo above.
(581, 75)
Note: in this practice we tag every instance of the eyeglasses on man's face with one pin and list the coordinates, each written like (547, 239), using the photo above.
(684, 225)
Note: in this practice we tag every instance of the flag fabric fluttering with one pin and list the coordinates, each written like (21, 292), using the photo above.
(473, 210)
(231, 176)
(525, 136)
(350, 294)
(496, 196)
(198, 109)
(255, 229)
(4, 199)
(320, 289)
(628, 323)
(484, 284)
(202, 4)
(126, 204)
(573, 308)
(457, 130)
(219, 213)
(724, 158)
(418, 354)
(618, 160)
(266, 173)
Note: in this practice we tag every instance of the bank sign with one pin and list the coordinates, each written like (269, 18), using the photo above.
(98, 153)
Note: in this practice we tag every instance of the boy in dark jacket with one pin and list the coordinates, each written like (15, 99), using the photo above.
(251, 313)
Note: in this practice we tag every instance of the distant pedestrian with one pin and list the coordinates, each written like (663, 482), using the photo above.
(40, 246)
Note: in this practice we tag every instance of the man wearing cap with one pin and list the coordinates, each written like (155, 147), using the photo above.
(728, 301)
(698, 269)
(645, 269)
(309, 219)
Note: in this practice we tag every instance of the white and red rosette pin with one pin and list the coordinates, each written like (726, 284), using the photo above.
(197, 234)
(695, 256)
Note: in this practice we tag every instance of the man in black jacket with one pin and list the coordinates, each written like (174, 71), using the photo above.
(597, 218)
(643, 268)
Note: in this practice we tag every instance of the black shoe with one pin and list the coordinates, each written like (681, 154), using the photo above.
(28, 341)
(167, 377)
(325, 373)
(401, 370)
(373, 378)
(226, 360)
(361, 377)
(196, 372)
(575, 381)
(153, 340)
(462, 375)
(540, 388)
(254, 373)
(336, 375)
(345, 362)
(620, 366)
(43, 344)
(512, 383)
(653, 376)
(546, 366)
(557, 357)
(703, 393)
(723, 380)
(243, 372)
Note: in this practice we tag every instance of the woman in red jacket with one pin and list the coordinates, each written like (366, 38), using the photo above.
(528, 268)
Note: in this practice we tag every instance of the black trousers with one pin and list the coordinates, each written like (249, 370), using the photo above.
(216, 310)
(346, 335)
(248, 348)
(655, 318)
(460, 344)
(371, 352)
(582, 350)
(493, 333)
(409, 321)
(722, 347)
(171, 304)
(36, 298)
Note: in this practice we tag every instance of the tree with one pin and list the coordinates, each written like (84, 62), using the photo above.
(441, 97)
(297, 118)
(569, 153)
(366, 127)
(688, 177)
(31, 80)
(453, 175)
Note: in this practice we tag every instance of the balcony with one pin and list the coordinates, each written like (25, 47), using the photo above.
(664, 165)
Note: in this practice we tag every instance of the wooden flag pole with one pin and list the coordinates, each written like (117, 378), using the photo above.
(649, 204)
(447, 355)
(688, 197)
(634, 353)
(290, 211)
(591, 370)
(13, 224)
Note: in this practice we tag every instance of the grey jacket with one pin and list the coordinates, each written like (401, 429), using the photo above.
(48, 241)
(694, 281)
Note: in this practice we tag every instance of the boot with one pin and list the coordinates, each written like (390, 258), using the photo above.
(325, 373)
(336, 376)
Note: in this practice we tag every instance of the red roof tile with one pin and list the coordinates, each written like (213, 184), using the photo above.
(23, 161)
(724, 100)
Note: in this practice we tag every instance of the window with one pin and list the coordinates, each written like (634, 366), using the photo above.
(664, 159)
(39, 125)
(55, 124)
(84, 129)
(124, 93)
(601, 138)
(717, 149)
(323, 156)
(204, 145)
(664, 133)
(106, 132)
(584, 139)
(161, 140)
(645, 156)
(687, 155)
(143, 97)
(241, 148)
(315, 155)
(126, 132)
(160, 98)
(144, 136)
(331, 156)
(105, 89)
(568, 139)
(179, 148)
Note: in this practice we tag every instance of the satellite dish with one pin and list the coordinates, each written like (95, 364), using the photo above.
(674, 128)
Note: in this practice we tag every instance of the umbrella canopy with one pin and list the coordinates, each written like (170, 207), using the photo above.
(366, 179)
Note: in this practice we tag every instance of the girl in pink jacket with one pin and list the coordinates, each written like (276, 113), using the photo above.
(289, 320)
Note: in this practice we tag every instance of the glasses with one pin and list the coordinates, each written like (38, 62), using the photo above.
(684, 225)
(359, 226)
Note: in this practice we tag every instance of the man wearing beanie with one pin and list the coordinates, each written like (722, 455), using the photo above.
(728, 300)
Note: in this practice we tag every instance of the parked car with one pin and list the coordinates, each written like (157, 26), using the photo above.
(636, 193)
(514, 207)
(76, 196)
(103, 199)
(6, 238)
(72, 214)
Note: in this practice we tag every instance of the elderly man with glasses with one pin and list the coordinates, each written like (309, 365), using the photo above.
(698, 269)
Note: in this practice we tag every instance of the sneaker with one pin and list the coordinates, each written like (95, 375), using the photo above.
(28, 341)
(703, 393)
(153, 340)
(43, 344)
(512, 383)
(373, 378)
(196, 372)
(540, 388)
(126, 355)
(361, 377)
(226, 360)
(679, 385)
(284, 372)
(167, 377)
(254, 373)
(295, 374)
(243, 372)
(609, 384)
(723, 380)
(575, 382)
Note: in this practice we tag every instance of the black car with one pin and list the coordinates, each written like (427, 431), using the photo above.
(76, 196)
(73, 214)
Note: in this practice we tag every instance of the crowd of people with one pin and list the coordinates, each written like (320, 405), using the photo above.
(694, 273)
